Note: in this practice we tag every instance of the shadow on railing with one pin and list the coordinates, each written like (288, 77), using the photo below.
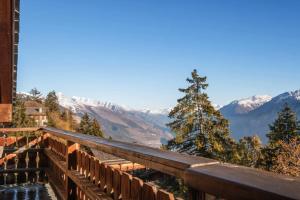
(75, 174)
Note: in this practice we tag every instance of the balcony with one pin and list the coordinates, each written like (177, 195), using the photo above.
(57, 157)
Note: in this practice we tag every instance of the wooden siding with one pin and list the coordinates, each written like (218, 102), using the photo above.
(9, 38)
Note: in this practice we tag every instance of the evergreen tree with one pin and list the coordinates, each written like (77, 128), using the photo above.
(84, 126)
(89, 126)
(96, 129)
(20, 119)
(285, 127)
(51, 121)
(51, 102)
(288, 159)
(35, 95)
(64, 115)
(249, 150)
(199, 128)
(71, 121)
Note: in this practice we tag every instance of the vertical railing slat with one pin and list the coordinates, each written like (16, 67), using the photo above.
(97, 172)
(102, 176)
(109, 180)
(126, 186)
(117, 183)
(83, 163)
(92, 169)
(149, 192)
(87, 166)
(136, 188)
(78, 160)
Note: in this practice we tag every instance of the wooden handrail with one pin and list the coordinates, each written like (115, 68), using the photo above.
(202, 174)
(168, 162)
(238, 182)
(12, 130)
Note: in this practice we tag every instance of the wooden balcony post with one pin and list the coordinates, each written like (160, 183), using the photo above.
(71, 161)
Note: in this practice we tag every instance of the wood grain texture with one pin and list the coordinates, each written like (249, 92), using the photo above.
(169, 162)
(6, 52)
(5, 113)
(117, 183)
(87, 188)
(97, 172)
(237, 182)
(102, 177)
(79, 166)
(92, 169)
(149, 192)
(126, 185)
(201, 174)
(136, 188)
(109, 180)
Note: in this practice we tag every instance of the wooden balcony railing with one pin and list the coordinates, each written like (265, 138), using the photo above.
(56, 156)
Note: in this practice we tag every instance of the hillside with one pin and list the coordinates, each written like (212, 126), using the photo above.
(144, 127)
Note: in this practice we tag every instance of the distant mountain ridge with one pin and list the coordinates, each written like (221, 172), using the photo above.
(245, 105)
(247, 116)
(121, 123)
(74, 102)
(253, 115)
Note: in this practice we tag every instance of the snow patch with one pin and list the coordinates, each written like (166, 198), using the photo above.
(75, 103)
(296, 94)
(256, 100)
(287, 95)
(251, 103)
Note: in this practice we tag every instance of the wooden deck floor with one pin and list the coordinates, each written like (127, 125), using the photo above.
(27, 191)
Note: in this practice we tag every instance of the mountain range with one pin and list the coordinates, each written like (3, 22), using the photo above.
(122, 123)
(254, 115)
(247, 117)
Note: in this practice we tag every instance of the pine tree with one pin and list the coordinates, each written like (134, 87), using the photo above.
(288, 159)
(51, 102)
(89, 126)
(285, 127)
(200, 129)
(72, 123)
(64, 115)
(20, 119)
(96, 129)
(84, 126)
(249, 150)
(35, 95)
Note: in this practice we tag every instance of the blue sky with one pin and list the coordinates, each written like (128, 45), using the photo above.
(138, 53)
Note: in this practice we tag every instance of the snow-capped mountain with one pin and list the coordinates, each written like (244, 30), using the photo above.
(251, 103)
(74, 103)
(247, 117)
(122, 123)
(246, 105)
(253, 115)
